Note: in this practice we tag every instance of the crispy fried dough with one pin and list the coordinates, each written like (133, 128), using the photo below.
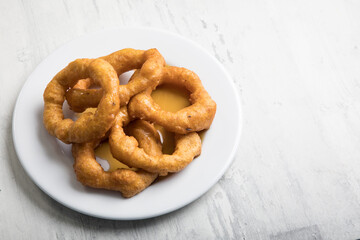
(89, 126)
(150, 63)
(128, 182)
(196, 117)
(127, 149)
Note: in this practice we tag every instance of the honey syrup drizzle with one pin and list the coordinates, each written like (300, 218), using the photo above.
(172, 99)
(103, 152)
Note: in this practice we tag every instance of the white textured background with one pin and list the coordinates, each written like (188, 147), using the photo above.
(296, 65)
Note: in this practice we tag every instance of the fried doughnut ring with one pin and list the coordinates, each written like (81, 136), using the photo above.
(150, 63)
(196, 117)
(126, 148)
(89, 126)
(90, 173)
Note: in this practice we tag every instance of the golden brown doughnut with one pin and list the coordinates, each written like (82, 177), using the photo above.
(89, 126)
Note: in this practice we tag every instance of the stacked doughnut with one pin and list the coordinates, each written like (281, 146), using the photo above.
(86, 83)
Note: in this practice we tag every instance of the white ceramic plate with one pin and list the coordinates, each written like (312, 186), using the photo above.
(49, 163)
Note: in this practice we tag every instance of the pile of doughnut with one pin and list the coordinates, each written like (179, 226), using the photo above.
(94, 83)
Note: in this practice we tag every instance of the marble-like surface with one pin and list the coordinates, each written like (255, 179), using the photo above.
(296, 63)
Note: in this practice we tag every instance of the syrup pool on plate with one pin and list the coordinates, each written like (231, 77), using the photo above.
(103, 152)
(172, 99)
